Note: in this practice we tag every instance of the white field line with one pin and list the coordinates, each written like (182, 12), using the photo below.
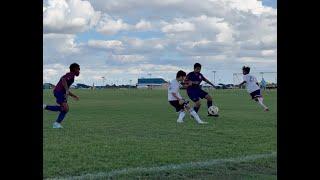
(190, 165)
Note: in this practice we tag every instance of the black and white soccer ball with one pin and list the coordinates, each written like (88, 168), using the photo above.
(213, 110)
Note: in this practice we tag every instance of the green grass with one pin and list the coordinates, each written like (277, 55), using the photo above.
(115, 129)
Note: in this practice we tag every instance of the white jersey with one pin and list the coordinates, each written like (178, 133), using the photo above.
(173, 87)
(251, 83)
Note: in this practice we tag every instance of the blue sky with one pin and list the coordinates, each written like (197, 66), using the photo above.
(271, 3)
(124, 40)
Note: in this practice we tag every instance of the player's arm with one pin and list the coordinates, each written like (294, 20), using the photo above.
(181, 101)
(243, 82)
(207, 81)
(65, 85)
(73, 95)
(256, 82)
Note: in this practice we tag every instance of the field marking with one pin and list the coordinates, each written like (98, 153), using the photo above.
(189, 165)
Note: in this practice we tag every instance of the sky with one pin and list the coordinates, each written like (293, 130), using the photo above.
(124, 40)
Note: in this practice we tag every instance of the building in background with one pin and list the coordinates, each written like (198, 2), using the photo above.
(152, 83)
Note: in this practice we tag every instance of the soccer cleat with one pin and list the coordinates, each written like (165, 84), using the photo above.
(44, 106)
(202, 122)
(266, 109)
(57, 125)
(179, 121)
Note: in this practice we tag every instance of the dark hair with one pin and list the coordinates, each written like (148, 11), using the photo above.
(246, 69)
(181, 73)
(196, 65)
(74, 66)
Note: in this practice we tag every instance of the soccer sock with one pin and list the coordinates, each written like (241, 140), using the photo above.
(195, 115)
(196, 109)
(209, 103)
(260, 100)
(53, 108)
(181, 115)
(61, 116)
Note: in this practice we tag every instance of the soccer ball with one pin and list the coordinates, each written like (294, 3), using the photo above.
(213, 110)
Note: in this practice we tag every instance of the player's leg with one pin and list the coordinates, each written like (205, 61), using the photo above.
(179, 109)
(194, 96)
(51, 108)
(64, 108)
(63, 112)
(59, 100)
(197, 105)
(182, 114)
(209, 100)
(194, 114)
(258, 98)
(205, 95)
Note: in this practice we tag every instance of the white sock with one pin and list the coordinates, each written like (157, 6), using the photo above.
(260, 100)
(195, 115)
(181, 115)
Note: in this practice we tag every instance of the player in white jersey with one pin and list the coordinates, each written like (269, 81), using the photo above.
(176, 100)
(252, 86)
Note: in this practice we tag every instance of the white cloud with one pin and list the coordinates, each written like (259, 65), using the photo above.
(53, 72)
(178, 27)
(127, 58)
(110, 44)
(109, 26)
(254, 6)
(268, 52)
(143, 25)
(68, 16)
(223, 34)
(59, 43)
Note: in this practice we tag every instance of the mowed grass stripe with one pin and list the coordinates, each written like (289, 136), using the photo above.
(190, 165)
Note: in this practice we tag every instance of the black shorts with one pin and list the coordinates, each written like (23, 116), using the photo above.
(256, 94)
(196, 93)
(178, 106)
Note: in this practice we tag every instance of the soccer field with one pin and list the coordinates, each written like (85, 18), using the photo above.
(126, 134)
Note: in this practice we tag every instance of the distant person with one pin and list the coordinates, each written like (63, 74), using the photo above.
(263, 84)
(252, 86)
(176, 100)
(61, 93)
(194, 90)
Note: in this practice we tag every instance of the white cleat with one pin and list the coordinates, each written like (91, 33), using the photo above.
(44, 106)
(179, 121)
(57, 125)
(202, 122)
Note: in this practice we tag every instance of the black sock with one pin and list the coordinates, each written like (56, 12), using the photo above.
(196, 109)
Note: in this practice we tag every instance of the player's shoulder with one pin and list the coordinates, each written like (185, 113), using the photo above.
(190, 73)
(173, 82)
(70, 74)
